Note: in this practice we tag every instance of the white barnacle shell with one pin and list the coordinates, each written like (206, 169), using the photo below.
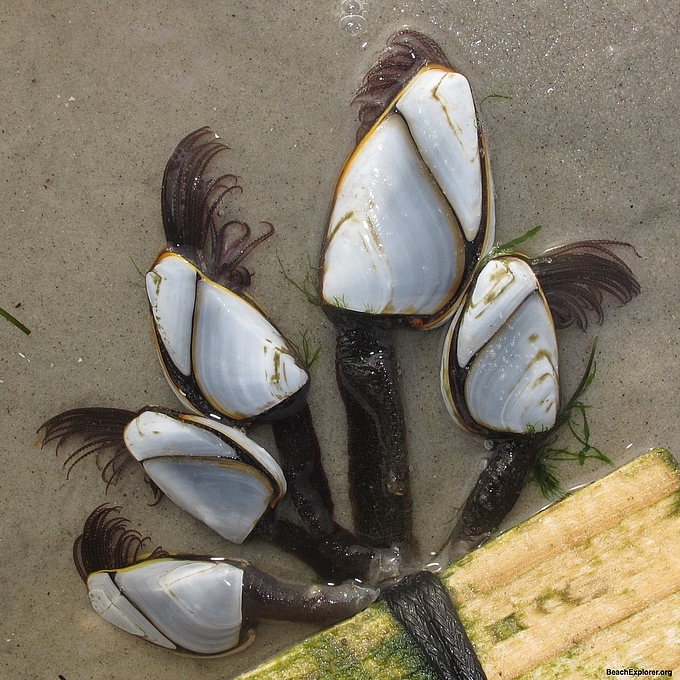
(413, 208)
(500, 363)
(186, 605)
(221, 354)
(212, 471)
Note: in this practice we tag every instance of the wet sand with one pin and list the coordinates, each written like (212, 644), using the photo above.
(97, 94)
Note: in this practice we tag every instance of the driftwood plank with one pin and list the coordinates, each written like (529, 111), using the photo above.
(590, 584)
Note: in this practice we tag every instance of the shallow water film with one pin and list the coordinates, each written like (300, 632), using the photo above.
(583, 140)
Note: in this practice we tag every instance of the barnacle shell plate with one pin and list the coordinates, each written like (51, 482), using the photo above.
(500, 364)
(413, 197)
(212, 471)
(221, 342)
(186, 604)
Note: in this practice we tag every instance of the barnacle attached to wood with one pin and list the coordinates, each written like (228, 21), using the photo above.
(194, 604)
(500, 367)
(413, 211)
(218, 475)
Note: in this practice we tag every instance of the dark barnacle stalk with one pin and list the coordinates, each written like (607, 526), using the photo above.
(368, 378)
(351, 556)
(500, 369)
(198, 605)
(412, 213)
(507, 472)
(421, 603)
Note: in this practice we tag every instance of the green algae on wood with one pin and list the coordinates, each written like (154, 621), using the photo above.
(591, 583)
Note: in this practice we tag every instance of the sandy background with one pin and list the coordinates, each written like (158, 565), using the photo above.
(95, 95)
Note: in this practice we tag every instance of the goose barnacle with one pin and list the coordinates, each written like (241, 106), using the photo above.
(500, 367)
(194, 604)
(413, 211)
(218, 475)
(211, 470)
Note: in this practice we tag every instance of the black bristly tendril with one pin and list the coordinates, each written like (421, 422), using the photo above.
(574, 415)
(108, 543)
(575, 276)
(193, 208)
(100, 434)
(406, 52)
(233, 246)
(423, 606)
(186, 202)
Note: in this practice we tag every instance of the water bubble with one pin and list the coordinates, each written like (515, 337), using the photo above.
(352, 7)
(353, 25)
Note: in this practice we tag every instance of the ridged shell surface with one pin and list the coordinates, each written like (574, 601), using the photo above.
(500, 366)
(440, 114)
(413, 206)
(212, 471)
(107, 600)
(193, 605)
(218, 344)
(171, 289)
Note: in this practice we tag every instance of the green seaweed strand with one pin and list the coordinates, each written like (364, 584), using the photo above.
(310, 284)
(15, 321)
(575, 416)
